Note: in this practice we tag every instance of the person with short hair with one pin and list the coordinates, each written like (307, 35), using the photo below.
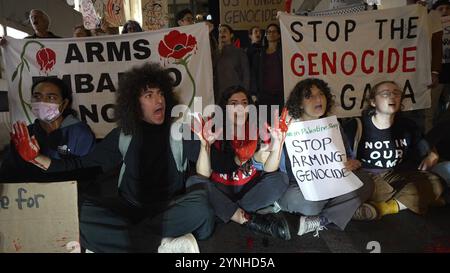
(311, 99)
(393, 150)
(81, 31)
(184, 17)
(151, 202)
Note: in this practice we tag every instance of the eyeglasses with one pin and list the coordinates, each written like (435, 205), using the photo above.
(388, 93)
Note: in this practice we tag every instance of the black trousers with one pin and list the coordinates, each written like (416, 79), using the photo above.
(118, 228)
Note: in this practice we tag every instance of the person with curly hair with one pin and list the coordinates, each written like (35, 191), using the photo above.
(151, 198)
(393, 149)
(309, 100)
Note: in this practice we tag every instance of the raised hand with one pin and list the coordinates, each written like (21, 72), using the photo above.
(278, 131)
(26, 146)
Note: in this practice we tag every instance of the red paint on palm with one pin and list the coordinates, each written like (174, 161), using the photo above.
(27, 147)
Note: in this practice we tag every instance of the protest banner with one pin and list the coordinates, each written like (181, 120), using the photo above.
(352, 52)
(317, 155)
(244, 14)
(92, 67)
(39, 217)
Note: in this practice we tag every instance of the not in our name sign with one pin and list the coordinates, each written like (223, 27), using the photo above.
(317, 154)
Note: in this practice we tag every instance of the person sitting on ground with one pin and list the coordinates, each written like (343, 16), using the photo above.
(309, 100)
(151, 198)
(81, 31)
(56, 129)
(393, 149)
(240, 193)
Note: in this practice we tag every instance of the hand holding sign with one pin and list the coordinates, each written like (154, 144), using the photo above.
(28, 148)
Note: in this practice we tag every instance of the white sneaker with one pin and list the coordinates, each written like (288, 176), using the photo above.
(182, 244)
(309, 224)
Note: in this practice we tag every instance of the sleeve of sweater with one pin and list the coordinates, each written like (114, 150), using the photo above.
(105, 155)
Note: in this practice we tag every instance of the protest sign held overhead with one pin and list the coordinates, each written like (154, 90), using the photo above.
(352, 52)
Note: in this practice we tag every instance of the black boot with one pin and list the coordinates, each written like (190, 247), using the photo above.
(270, 224)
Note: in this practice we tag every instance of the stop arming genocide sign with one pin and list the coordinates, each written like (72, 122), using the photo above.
(353, 52)
(92, 66)
(317, 155)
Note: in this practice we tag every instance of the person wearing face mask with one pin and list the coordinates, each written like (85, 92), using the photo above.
(56, 129)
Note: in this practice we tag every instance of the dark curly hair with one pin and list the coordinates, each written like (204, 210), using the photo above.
(131, 84)
(370, 110)
(302, 90)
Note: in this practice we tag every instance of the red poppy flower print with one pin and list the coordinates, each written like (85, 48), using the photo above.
(176, 45)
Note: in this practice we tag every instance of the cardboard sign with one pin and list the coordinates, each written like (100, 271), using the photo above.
(317, 155)
(244, 14)
(39, 217)
(353, 52)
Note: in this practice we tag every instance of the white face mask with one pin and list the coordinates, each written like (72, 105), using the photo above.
(45, 111)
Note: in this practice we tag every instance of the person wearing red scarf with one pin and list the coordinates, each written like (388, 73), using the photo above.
(239, 194)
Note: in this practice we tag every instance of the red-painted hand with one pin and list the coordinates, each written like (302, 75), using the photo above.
(26, 146)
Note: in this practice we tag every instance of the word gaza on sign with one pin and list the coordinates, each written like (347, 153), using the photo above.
(316, 155)
(39, 217)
